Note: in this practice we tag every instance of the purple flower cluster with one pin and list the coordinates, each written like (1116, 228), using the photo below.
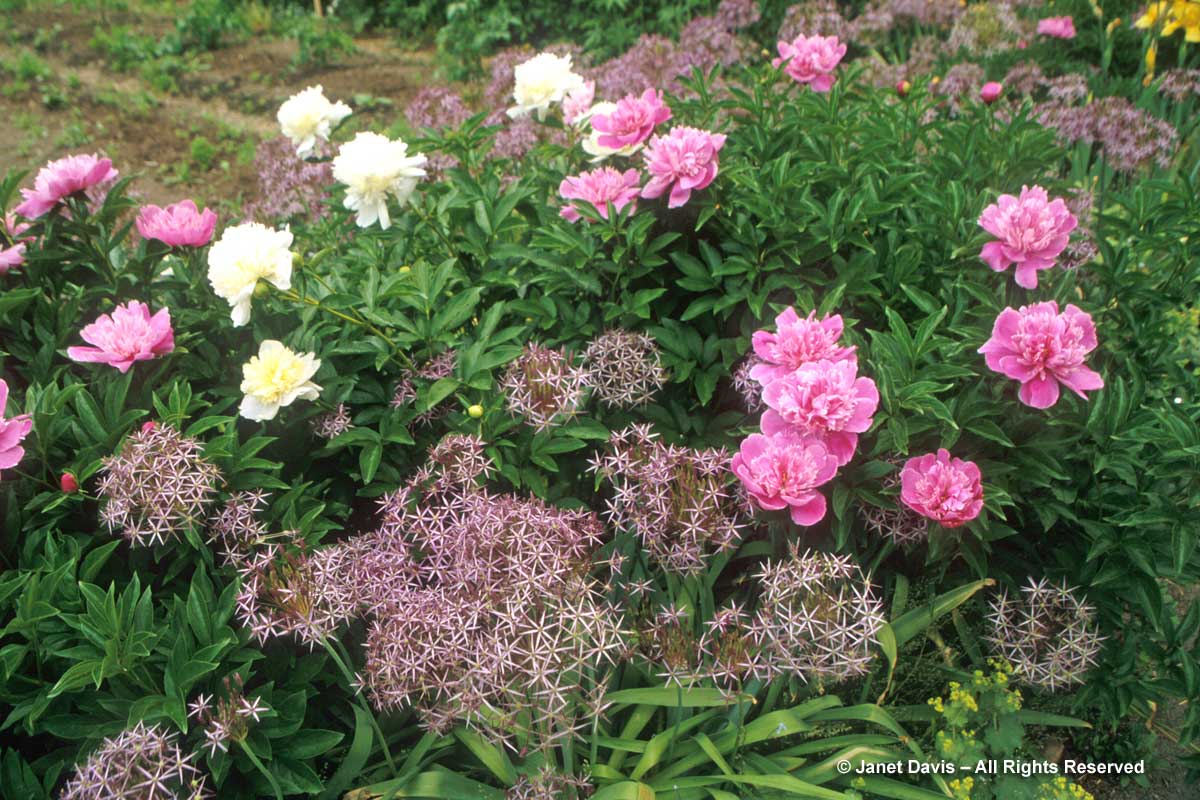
(624, 368)
(749, 389)
(236, 528)
(142, 763)
(548, 784)
(156, 486)
(229, 719)
(332, 424)
(1129, 137)
(677, 499)
(1049, 635)
(1178, 84)
(438, 108)
(544, 386)
(281, 595)
(288, 187)
(440, 366)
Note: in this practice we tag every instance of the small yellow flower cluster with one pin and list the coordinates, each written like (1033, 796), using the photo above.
(961, 788)
(1061, 789)
(964, 697)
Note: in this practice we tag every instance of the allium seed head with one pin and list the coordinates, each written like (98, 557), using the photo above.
(624, 368)
(544, 386)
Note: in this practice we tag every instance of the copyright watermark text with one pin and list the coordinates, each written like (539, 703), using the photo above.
(1025, 769)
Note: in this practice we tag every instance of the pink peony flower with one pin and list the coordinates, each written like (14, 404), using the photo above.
(942, 488)
(683, 160)
(599, 187)
(824, 400)
(633, 120)
(60, 179)
(1057, 27)
(12, 431)
(797, 342)
(130, 334)
(811, 60)
(1042, 348)
(784, 471)
(1032, 230)
(12, 255)
(577, 104)
(990, 92)
(179, 225)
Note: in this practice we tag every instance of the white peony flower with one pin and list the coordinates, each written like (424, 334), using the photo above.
(541, 81)
(244, 255)
(309, 116)
(372, 167)
(591, 145)
(276, 377)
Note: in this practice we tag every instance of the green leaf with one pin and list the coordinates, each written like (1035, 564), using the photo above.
(311, 742)
(625, 790)
(917, 620)
(495, 759)
(355, 758)
(668, 697)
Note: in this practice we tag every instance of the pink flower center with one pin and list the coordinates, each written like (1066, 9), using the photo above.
(818, 405)
(945, 491)
(1048, 343)
(784, 472)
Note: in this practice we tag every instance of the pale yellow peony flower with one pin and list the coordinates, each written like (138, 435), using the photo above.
(244, 255)
(277, 377)
(308, 116)
(541, 81)
(372, 167)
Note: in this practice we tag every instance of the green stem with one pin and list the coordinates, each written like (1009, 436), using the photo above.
(266, 773)
(428, 220)
(349, 676)
(396, 352)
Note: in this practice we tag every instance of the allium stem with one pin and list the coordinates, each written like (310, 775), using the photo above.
(266, 773)
(330, 644)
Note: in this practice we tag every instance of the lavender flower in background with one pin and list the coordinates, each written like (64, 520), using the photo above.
(1083, 247)
(438, 108)
(677, 499)
(229, 719)
(624, 368)
(289, 187)
(142, 763)
(817, 618)
(1025, 78)
(1047, 633)
(156, 486)
(544, 386)
(332, 424)
(960, 83)
(821, 17)
(983, 29)
(1178, 84)
(1128, 137)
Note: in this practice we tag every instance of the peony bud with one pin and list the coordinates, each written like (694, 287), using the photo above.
(903, 88)
(990, 92)
(149, 426)
(475, 411)
(68, 484)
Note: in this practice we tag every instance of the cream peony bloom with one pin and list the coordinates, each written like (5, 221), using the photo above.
(276, 377)
(244, 255)
(308, 116)
(591, 145)
(541, 81)
(372, 167)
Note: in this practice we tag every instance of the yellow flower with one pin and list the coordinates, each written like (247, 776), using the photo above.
(1186, 15)
(276, 377)
(1153, 12)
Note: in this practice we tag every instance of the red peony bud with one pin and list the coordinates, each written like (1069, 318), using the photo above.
(902, 88)
(149, 426)
(68, 483)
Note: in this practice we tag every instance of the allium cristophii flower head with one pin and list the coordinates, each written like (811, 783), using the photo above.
(12, 246)
(236, 528)
(544, 386)
(1130, 137)
(141, 763)
(811, 60)
(374, 167)
(677, 499)
(797, 342)
(548, 784)
(67, 176)
(244, 255)
(680, 162)
(228, 718)
(156, 486)
(1047, 633)
(178, 225)
(460, 459)
(440, 366)
(632, 121)
(288, 187)
(1042, 349)
(1057, 27)
(1032, 230)
(947, 490)
(542, 81)
(13, 431)
(785, 471)
(276, 377)
(280, 595)
(902, 526)
(624, 368)
(815, 15)
(598, 188)
(332, 424)
(480, 607)
(744, 383)
(308, 116)
(130, 333)
(826, 400)
(817, 617)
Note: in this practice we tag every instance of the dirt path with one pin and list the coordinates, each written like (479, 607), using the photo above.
(196, 139)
